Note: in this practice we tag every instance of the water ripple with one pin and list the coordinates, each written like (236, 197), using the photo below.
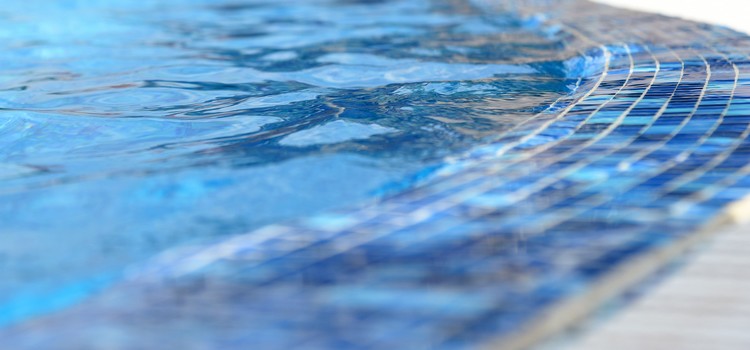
(128, 128)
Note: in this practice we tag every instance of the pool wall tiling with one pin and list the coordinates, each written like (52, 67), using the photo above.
(649, 145)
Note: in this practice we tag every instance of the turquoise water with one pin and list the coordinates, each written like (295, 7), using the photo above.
(127, 128)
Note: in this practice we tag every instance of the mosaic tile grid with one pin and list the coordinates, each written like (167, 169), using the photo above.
(653, 144)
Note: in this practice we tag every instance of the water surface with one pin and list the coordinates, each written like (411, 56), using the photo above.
(127, 128)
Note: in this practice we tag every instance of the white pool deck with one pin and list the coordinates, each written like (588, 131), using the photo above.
(730, 13)
(705, 304)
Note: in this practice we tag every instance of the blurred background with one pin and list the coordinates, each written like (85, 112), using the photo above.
(722, 12)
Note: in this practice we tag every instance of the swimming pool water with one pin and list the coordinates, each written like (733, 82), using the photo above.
(132, 127)
(350, 174)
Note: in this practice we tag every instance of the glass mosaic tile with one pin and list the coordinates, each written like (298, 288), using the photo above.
(348, 174)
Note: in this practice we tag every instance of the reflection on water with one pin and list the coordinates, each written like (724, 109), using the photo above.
(129, 127)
